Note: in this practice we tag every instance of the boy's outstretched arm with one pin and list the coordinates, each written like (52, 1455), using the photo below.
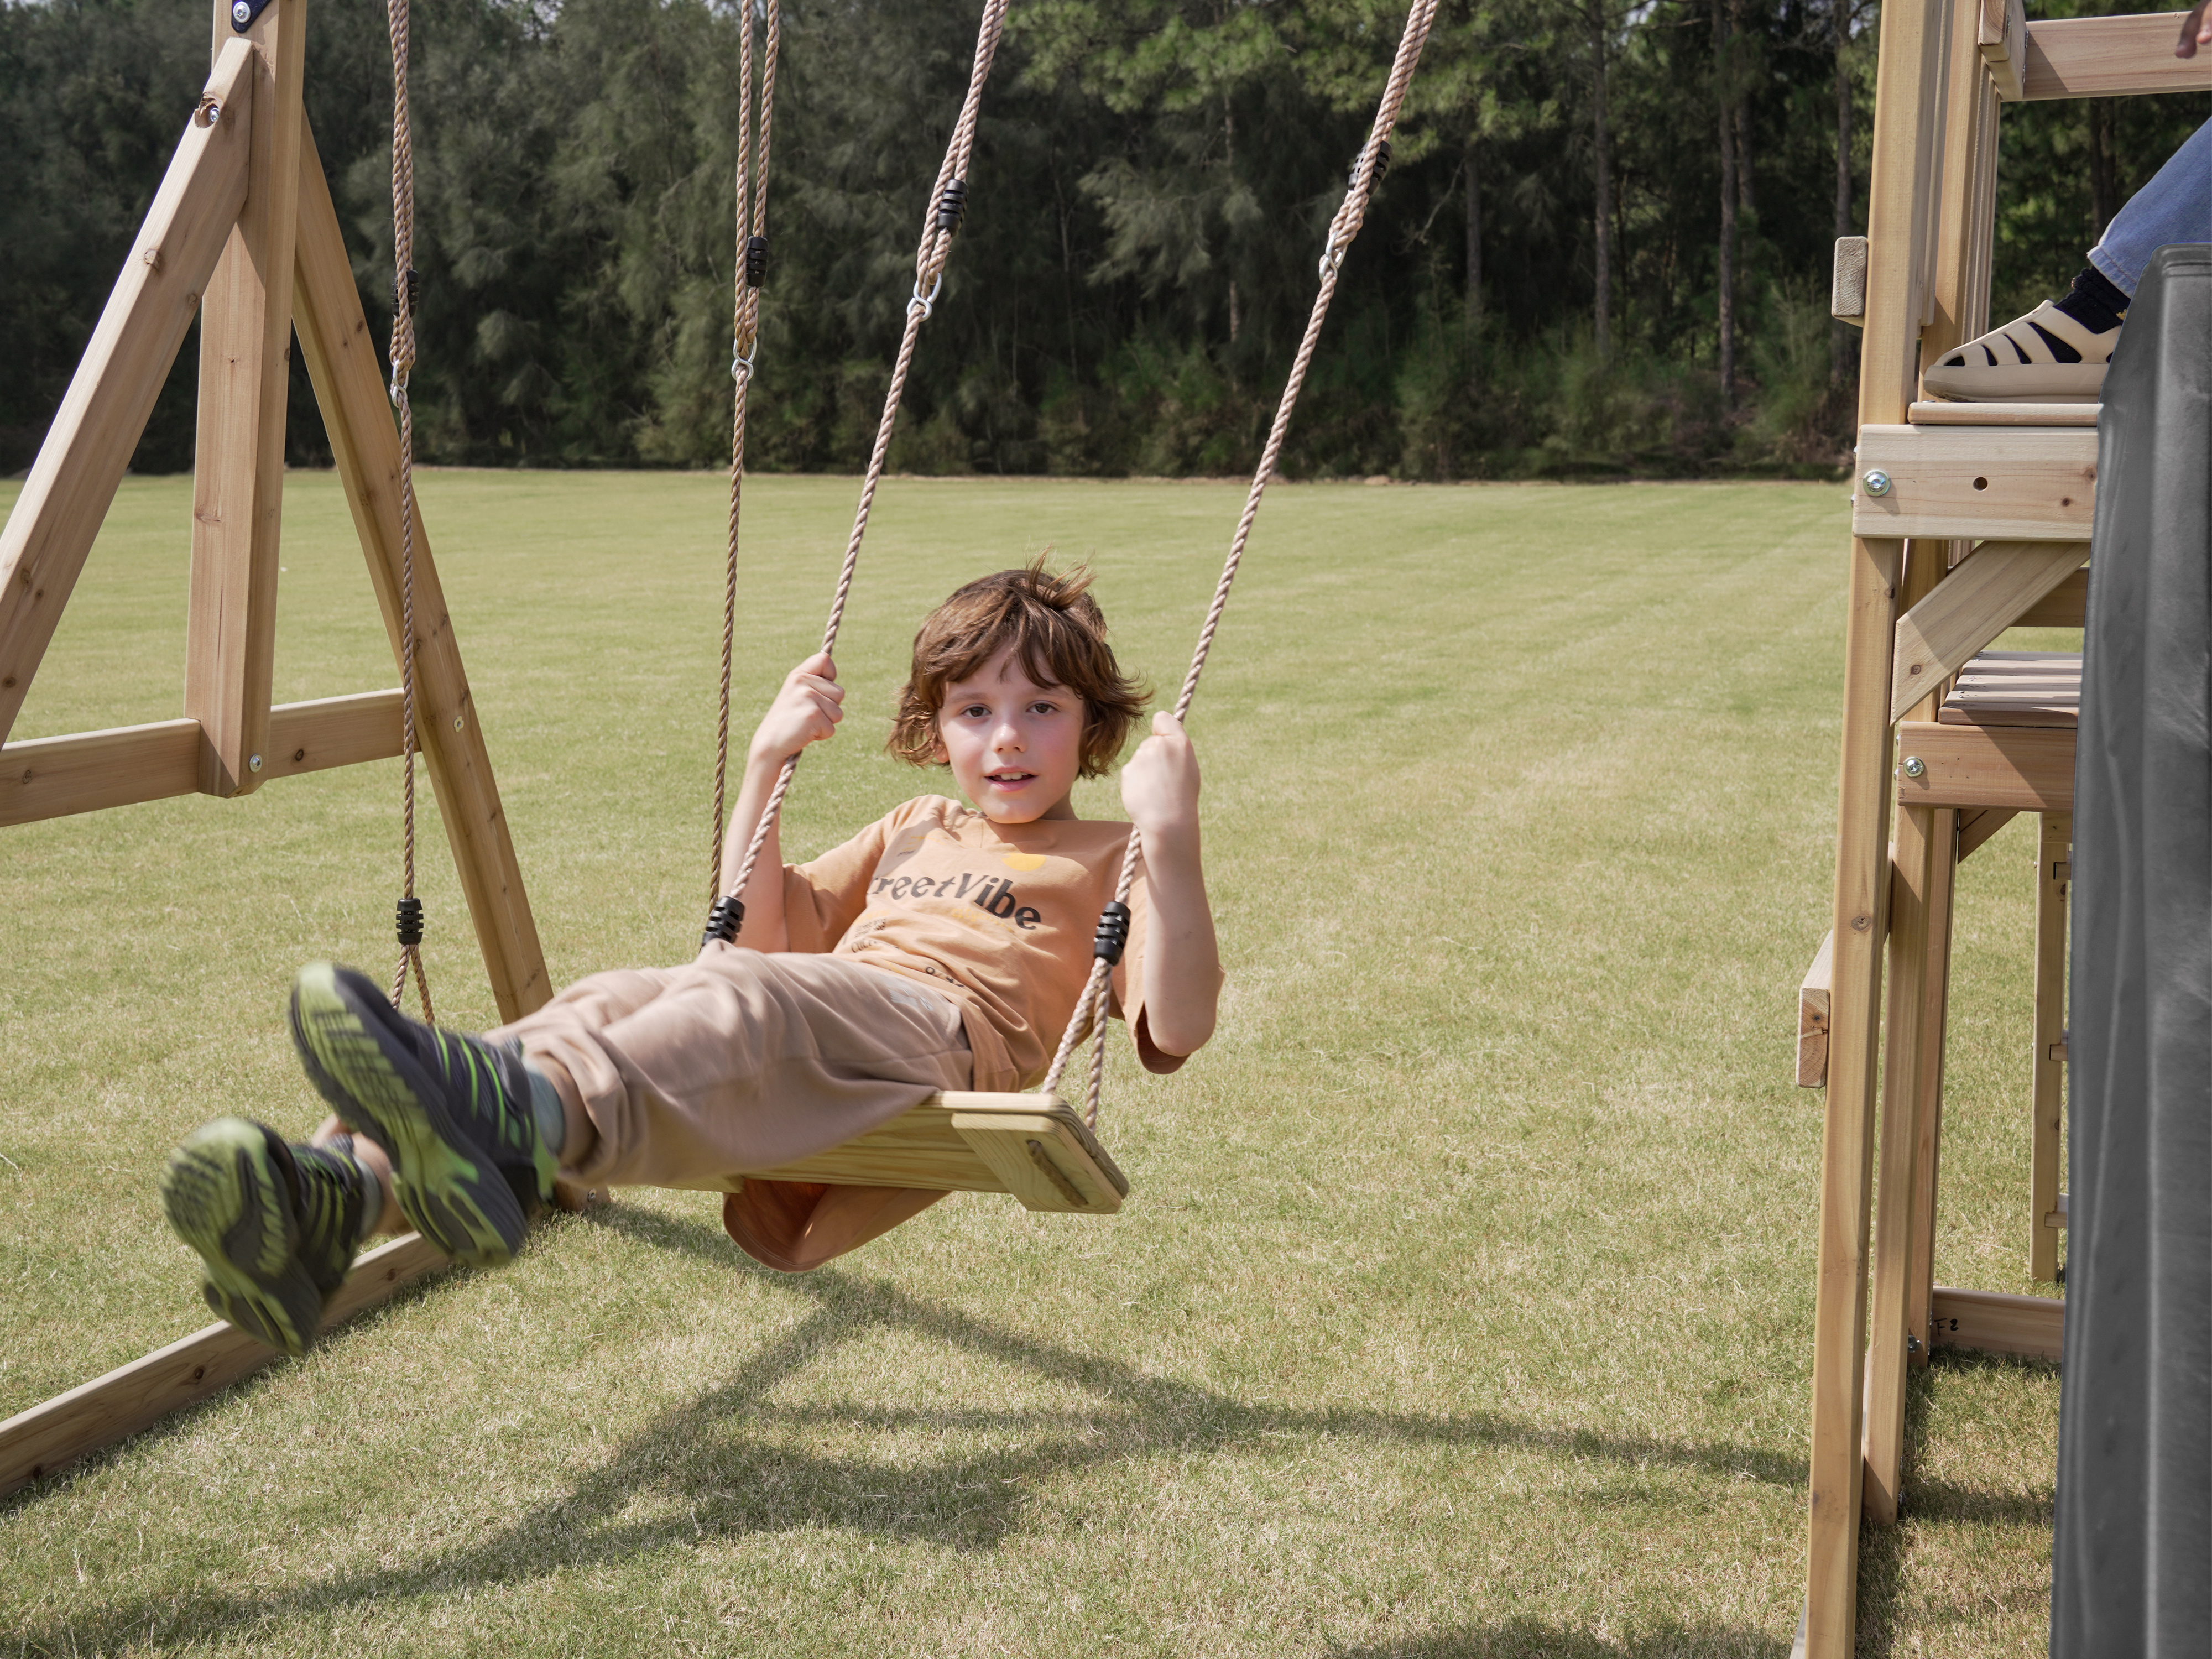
(1182, 966)
(805, 710)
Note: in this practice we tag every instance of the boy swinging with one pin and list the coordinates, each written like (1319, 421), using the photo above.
(941, 948)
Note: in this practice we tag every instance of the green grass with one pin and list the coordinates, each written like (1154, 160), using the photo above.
(1464, 1305)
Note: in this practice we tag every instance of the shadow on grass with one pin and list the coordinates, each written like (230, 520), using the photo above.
(1884, 1551)
(707, 1477)
(1529, 1639)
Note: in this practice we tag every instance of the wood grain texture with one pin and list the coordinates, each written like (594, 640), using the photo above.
(2066, 605)
(1982, 597)
(91, 771)
(1040, 1160)
(1935, 412)
(2046, 1096)
(1927, 1103)
(1978, 824)
(1901, 219)
(36, 1443)
(1994, 1322)
(2027, 768)
(348, 381)
(1813, 1017)
(2016, 688)
(72, 483)
(2109, 57)
(924, 1147)
(238, 469)
(2000, 483)
(2002, 41)
(1923, 839)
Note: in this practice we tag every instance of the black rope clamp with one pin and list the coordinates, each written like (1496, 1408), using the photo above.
(755, 261)
(953, 207)
(411, 922)
(724, 921)
(1113, 935)
(1382, 166)
(413, 280)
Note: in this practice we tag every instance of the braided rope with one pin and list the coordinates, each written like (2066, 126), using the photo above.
(1342, 229)
(403, 364)
(929, 259)
(744, 332)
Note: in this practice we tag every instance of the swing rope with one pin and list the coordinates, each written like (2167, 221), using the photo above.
(940, 224)
(410, 909)
(1374, 161)
(751, 268)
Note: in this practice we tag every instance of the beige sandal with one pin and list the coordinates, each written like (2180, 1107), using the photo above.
(2025, 360)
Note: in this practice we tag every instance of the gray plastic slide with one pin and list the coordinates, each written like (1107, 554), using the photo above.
(2132, 1570)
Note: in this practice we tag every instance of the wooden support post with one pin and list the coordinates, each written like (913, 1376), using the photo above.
(238, 490)
(71, 484)
(1909, 98)
(349, 383)
(2053, 866)
(1928, 1095)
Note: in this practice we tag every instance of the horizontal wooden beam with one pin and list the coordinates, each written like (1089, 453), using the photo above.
(1985, 595)
(90, 771)
(36, 1443)
(1935, 413)
(1813, 1016)
(1997, 1323)
(2109, 57)
(2027, 768)
(1999, 483)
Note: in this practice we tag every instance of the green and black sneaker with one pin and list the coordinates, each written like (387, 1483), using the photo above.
(276, 1226)
(468, 1161)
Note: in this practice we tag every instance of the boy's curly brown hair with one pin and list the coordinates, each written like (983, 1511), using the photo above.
(1054, 624)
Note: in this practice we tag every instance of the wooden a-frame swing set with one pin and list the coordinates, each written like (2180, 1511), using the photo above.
(243, 233)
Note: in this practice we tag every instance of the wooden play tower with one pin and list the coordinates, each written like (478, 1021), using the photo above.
(1967, 520)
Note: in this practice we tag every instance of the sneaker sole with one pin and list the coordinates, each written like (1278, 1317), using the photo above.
(456, 1199)
(226, 1197)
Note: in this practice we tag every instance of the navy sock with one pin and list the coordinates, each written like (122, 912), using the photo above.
(2096, 301)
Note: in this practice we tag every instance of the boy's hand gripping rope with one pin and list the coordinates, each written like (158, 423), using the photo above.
(939, 225)
(406, 289)
(1374, 159)
(750, 272)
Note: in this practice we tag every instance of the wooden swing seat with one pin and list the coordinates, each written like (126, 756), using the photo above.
(1035, 1147)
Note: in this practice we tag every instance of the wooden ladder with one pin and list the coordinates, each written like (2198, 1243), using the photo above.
(1967, 520)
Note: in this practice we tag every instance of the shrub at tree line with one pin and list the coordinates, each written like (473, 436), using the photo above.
(1151, 183)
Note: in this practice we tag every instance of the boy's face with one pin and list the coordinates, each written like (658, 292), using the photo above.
(1014, 747)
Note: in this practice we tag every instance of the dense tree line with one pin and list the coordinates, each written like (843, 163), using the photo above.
(1602, 245)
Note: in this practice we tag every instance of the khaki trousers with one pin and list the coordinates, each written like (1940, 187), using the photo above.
(746, 1061)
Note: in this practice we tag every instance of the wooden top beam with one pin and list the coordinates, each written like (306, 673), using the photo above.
(2109, 57)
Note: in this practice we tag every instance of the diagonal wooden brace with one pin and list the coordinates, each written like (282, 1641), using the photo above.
(72, 483)
(1990, 591)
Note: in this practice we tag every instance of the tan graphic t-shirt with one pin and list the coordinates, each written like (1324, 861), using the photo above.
(1000, 917)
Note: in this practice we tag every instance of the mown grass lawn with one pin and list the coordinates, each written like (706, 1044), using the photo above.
(1464, 1305)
